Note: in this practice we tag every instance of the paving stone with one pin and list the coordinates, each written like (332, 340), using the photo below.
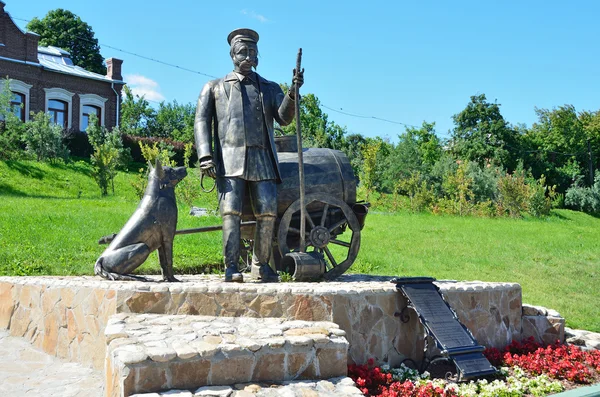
(214, 391)
(227, 356)
(26, 370)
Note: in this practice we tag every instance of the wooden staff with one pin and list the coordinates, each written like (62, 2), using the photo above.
(300, 157)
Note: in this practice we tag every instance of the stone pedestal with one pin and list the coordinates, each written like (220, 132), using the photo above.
(66, 316)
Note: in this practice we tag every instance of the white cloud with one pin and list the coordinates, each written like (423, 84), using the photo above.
(254, 15)
(143, 86)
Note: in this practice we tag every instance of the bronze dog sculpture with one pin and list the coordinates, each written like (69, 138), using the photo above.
(152, 226)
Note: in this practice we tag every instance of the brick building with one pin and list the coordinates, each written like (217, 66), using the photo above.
(45, 79)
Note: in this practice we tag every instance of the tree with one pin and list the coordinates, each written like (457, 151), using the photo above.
(353, 145)
(369, 174)
(558, 144)
(317, 130)
(482, 135)
(416, 152)
(137, 116)
(174, 121)
(63, 29)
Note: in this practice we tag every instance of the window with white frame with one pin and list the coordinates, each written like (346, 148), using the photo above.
(17, 103)
(90, 104)
(20, 92)
(59, 104)
(59, 112)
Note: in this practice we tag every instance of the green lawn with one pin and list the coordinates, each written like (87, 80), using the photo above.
(52, 215)
(556, 260)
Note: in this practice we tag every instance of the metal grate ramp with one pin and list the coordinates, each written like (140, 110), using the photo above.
(455, 341)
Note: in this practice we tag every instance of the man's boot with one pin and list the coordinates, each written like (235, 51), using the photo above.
(263, 244)
(231, 248)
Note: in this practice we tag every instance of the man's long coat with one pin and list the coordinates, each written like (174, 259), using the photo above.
(220, 121)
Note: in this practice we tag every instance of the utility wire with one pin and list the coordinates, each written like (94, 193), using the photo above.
(368, 117)
(546, 151)
(214, 77)
(138, 55)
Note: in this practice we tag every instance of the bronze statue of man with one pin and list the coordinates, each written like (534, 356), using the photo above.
(234, 139)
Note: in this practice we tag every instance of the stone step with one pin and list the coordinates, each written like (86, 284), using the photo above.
(335, 387)
(153, 352)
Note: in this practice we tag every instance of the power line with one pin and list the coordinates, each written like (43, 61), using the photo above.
(368, 117)
(214, 77)
(545, 151)
(139, 56)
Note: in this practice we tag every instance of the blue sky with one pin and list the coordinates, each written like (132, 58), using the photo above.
(403, 61)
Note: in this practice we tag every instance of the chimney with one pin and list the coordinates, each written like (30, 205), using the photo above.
(2, 6)
(113, 68)
(31, 47)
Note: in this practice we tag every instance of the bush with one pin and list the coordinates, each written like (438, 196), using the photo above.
(178, 148)
(150, 153)
(457, 187)
(484, 183)
(43, 139)
(11, 133)
(540, 197)
(78, 144)
(421, 196)
(586, 199)
(108, 154)
(188, 190)
(513, 194)
(11, 127)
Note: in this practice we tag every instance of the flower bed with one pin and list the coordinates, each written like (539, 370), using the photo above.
(526, 369)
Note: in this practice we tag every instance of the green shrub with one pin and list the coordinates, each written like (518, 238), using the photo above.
(540, 197)
(513, 194)
(188, 190)
(158, 150)
(586, 199)
(11, 127)
(108, 154)
(484, 179)
(43, 139)
(457, 187)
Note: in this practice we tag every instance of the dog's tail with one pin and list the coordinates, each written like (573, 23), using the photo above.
(99, 270)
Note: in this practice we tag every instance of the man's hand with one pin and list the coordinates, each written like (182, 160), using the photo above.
(207, 167)
(297, 80)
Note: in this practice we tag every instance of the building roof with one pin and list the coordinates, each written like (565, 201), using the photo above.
(58, 60)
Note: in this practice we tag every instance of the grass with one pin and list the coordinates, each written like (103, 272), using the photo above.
(52, 215)
(556, 260)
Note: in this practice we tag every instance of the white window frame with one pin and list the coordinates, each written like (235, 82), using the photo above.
(91, 100)
(61, 94)
(21, 88)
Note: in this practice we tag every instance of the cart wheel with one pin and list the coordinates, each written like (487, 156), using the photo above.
(322, 232)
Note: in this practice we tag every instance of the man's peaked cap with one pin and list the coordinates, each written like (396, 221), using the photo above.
(243, 34)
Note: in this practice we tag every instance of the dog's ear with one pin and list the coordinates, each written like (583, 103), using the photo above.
(150, 167)
(159, 169)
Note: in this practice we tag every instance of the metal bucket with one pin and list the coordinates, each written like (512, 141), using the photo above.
(361, 211)
(303, 266)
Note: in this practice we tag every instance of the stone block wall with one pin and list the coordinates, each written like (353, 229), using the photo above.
(545, 325)
(65, 322)
(365, 307)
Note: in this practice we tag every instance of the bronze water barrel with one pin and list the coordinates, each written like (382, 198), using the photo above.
(326, 171)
